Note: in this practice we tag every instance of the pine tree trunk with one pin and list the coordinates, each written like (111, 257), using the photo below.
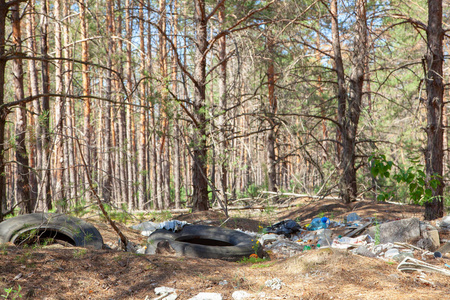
(59, 114)
(45, 113)
(107, 178)
(435, 93)
(176, 129)
(199, 169)
(86, 91)
(164, 153)
(22, 168)
(35, 148)
(348, 117)
(223, 142)
(72, 185)
(271, 138)
(129, 134)
(122, 165)
(142, 165)
(152, 142)
(3, 114)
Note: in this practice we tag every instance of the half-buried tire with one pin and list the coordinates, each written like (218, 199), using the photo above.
(32, 228)
(203, 242)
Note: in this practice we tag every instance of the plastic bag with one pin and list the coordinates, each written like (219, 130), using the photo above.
(318, 223)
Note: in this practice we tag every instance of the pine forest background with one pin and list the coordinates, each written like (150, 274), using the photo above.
(173, 104)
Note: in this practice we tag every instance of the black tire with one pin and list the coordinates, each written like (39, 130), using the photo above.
(205, 242)
(69, 229)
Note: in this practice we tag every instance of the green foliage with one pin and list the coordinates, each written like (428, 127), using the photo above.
(269, 209)
(79, 253)
(414, 178)
(88, 237)
(261, 266)
(253, 190)
(13, 214)
(252, 260)
(11, 293)
(255, 245)
(121, 216)
(80, 208)
(380, 166)
(160, 216)
(3, 250)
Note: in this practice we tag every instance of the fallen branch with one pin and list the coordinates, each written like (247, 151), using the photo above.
(187, 210)
(123, 238)
(300, 195)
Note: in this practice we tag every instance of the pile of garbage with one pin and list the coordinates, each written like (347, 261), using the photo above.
(363, 236)
(407, 241)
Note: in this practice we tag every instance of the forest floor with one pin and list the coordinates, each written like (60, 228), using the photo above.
(78, 273)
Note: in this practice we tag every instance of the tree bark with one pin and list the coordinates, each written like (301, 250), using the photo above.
(86, 91)
(45, 113)
(70, 147)
(129, 127)
(142, 165)
(199, 170)
(3, 113)
(121, 125)
(176, 131)
(107, 168)
(271, 139)
(435, 92)
(164, 147)
(221, 123)
(153, 160)
(59, 114)
(349, 107)
(35, 148)
(22, 168)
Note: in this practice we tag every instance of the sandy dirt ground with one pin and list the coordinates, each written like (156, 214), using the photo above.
(56, 272)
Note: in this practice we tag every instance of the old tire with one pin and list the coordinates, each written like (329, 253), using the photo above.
(204, 242)
(69, 229)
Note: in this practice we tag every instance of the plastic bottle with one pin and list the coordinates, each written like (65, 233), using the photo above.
(318, 223)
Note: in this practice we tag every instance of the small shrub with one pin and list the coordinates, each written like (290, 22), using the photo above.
(11, 293)
(79, 253)
(252, 260)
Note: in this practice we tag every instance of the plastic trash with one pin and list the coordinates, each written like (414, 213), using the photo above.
(207, 296)
(274, 284)
(269, 238)
(401, 256)
(353, 217)
(318, 223)
(240, 295)
(173, 225)
(347, 242)
(166, 293)
(364, 251)
(286, 227)
(414, 265)
(391, 253)
(324, 237)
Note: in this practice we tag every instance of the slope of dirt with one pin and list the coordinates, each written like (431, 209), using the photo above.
(57, 272)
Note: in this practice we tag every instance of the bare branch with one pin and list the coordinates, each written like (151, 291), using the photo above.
(215, 9)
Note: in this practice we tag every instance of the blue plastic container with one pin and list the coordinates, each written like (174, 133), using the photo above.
(318, 223)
